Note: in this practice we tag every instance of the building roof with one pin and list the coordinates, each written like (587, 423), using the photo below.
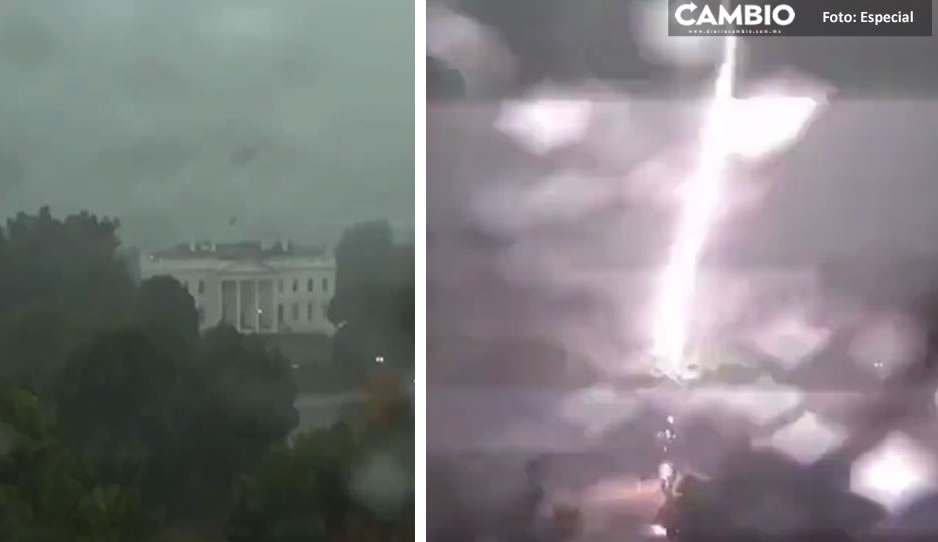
(241, 250)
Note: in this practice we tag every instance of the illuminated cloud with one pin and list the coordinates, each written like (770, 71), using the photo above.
(894, 473)
(886, 344)
(650, 27)
(546, 124)
(767, 124)
(789, 339)
(806, 439)
(472, 48)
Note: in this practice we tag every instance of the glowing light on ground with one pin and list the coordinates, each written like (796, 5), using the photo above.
(671, 320)
(895, 473)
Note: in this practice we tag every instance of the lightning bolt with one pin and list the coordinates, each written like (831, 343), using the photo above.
(704, 190)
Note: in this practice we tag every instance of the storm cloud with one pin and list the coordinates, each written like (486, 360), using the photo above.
(209, 118)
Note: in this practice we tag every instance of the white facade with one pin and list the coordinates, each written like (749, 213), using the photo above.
(253, 289)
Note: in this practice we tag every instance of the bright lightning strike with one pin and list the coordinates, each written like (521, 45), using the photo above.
(704, 190)
(749, 129)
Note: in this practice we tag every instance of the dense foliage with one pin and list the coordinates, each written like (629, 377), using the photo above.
(350, 482)
(47, 492)
(119, 421)
(373, 305)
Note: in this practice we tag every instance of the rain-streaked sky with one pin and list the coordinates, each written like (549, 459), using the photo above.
(209, 118)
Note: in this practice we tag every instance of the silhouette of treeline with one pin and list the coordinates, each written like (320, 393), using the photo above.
(120, 422)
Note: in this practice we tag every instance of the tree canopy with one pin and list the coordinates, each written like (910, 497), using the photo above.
(373, 306)
(47, 492)
(163, 305)
(443, 81)
(356, 482)
(72, 264)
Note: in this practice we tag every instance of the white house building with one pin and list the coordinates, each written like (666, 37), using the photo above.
(278, 288)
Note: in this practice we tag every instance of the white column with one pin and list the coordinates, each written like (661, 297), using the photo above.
(274, 292)
(221, 302)
(257, 306)
(238, 304)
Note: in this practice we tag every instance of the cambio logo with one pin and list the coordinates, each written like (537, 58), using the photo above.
(739, 15)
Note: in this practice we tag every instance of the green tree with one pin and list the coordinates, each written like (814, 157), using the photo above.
(299, 491)
(71, 264)
(353, 481)
(60, 281)
(151, 415)
(178, 425)
(373, 298)
(239, 400)
(404, 306)
(165, 307)
(47, 494)
(443, 82)
(364, 273)
(119, 407)
(35, 342)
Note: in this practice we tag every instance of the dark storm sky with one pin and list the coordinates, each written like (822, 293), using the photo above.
(176, 115)
(864, 179)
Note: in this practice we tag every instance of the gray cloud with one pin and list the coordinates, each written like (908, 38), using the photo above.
(294, 116)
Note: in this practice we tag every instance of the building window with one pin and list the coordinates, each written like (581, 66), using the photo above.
(309, 312)
(309, 285)
(295, 312)
(279, 314)
(201, 286)
(296, 285)
(325, 284)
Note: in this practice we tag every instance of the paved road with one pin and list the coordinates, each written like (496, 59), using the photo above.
(318, 411)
